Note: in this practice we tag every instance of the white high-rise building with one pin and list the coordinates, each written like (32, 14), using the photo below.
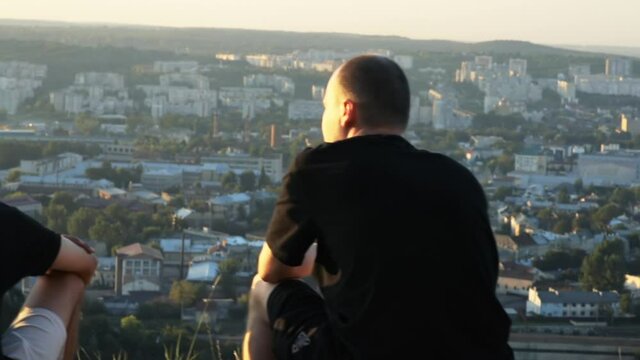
(317, 92)
(517, 67)
(567, 91)
(404, 61)
(484, 62)
(18, 82)
(579, 70)
(175, 66)
(618, 66)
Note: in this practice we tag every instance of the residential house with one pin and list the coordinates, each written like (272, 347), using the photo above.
(515, 279)
(26, 204)
(175, 254)
(111, 193)
(231, 206)
(105, 274)
(244, 250)
(573, 303)
(194, 219)
(520, 246)
(138, 268)
(204, 269)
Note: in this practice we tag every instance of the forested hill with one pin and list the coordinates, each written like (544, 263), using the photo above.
(208, 40)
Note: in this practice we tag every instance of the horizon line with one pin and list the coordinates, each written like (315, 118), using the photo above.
(131, 25)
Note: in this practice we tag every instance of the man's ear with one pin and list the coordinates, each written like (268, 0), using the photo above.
(349, 111)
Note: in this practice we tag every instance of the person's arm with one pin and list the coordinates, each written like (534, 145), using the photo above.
(289, 250)
(272, 270)
(75, 257)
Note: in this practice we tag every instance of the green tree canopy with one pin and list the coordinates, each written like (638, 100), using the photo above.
(230, 181)
(563, 195)
(623, 197)
(263, 179)
(562, 226)
(81, 221)
(56, 216)
(64, 199)
(247, 181)
(186, 292)
(111, 232)
(581, 221)
(13, 176)
(130, 323)
(605, 214)
(605, 268)
(86, 124)
(560, 260)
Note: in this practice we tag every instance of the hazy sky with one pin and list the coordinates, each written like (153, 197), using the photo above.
(579, 22)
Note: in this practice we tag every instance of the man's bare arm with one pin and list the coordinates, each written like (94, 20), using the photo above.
(75, 258)
(272, 270)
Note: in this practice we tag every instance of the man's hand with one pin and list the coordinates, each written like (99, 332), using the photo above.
(81, 243)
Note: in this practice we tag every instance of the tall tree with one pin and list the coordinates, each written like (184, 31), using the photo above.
(562, 226)
(605, 268)
(563, 195)
(263, 179)
(230, 181)
(581, 221)
(247, 181)
(112, 233)
(623, 197)
(56, 216)
(65, 199)
(81, 221)
(603, 216)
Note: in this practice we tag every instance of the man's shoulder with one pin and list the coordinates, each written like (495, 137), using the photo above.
(8, 212)
(373, 149)
(355, 147)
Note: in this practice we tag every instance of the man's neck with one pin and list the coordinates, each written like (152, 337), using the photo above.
(373, 131)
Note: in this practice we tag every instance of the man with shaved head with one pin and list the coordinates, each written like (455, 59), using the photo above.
(398, 239)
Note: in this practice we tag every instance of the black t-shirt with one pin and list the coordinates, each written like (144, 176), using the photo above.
(26, 248)
(392, 223)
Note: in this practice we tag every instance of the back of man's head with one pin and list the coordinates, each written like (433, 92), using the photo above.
(380, 89)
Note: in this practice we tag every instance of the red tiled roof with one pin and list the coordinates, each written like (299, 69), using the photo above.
(520, 240)
(138, 249)
(516, 271)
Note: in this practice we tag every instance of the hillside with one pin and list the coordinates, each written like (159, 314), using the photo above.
(210, 40)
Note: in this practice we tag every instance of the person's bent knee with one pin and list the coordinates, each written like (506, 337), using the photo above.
(260, 288)
(259, 295)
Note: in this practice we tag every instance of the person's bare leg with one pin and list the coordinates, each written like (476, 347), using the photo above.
(62, 294)
(71, 345)
(257, 339)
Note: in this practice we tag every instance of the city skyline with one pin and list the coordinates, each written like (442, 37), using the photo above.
(587, 22)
